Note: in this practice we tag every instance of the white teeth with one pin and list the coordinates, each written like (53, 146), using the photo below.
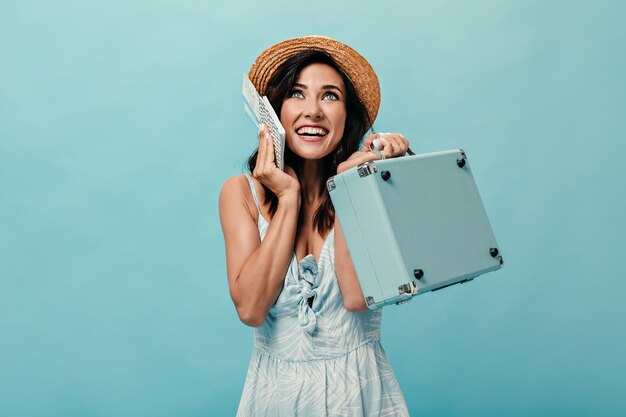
(318, 131)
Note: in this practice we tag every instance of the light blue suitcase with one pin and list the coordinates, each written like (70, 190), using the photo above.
(413, 224)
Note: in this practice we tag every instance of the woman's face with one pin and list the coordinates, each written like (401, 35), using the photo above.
(314, 112)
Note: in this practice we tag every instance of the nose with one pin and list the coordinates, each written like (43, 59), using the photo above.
(313, 110)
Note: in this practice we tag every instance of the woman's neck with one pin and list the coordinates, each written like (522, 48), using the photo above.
(311, 180)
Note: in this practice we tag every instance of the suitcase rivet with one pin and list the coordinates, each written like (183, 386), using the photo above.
(460, 162)
(418, 273)
(493, 252)
(385, 174)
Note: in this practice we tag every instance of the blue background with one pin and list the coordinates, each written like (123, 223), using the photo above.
(119, 121)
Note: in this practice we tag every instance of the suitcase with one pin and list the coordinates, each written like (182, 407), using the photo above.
(413, 224)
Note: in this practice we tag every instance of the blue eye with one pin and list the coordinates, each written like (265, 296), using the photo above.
(330, 96)
(296, 94)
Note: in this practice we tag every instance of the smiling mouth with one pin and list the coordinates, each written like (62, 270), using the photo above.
(312, 133)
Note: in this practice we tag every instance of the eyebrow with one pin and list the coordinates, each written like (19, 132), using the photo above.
(324, 87)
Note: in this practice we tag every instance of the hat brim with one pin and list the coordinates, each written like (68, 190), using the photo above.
(358, 70)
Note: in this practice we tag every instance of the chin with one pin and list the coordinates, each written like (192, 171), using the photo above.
(310, 152)
(304, 154)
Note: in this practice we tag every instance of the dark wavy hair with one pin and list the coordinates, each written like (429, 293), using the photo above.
(357, 123)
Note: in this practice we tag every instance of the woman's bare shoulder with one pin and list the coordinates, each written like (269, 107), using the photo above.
(236, 192)
(236, 183)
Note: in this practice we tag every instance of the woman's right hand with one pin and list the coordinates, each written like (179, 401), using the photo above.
(281, 183)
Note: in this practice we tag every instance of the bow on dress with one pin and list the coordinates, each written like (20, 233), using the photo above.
(308, 282)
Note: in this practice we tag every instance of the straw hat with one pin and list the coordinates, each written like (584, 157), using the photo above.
(358, 70)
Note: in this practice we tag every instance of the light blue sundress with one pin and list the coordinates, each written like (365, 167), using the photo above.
(320, 359)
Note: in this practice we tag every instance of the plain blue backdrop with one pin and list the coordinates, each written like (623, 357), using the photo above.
(119, 121)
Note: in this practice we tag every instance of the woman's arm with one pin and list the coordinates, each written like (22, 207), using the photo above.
(353, 299)
(256, 269)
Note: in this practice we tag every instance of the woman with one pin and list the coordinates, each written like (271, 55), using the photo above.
(317, 347)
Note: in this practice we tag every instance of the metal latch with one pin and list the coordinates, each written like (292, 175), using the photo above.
(410, 288)
(366, 168)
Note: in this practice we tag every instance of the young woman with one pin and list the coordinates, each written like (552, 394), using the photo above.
(317, 346)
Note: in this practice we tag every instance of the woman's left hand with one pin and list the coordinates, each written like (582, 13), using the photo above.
(390, 145)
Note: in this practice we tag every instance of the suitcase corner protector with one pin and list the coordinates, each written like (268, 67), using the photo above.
(330, 184)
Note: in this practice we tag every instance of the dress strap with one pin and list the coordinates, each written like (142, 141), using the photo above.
(253, 189)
